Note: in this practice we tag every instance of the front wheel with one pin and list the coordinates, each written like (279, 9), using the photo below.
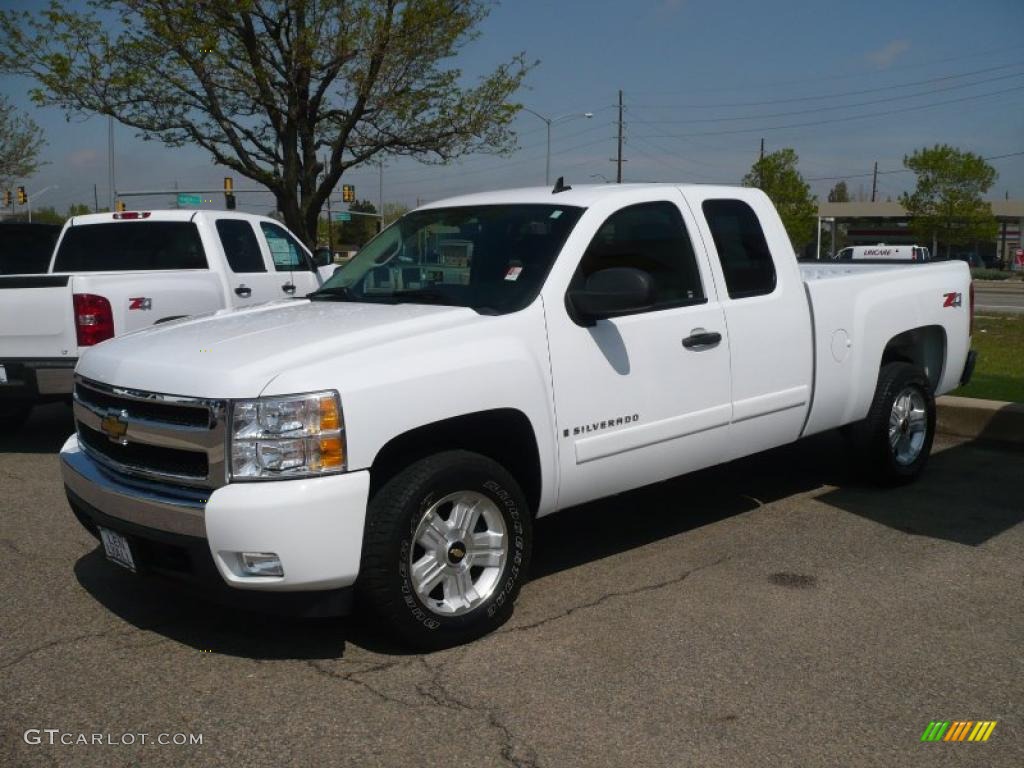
(445, 550)
(896, 437)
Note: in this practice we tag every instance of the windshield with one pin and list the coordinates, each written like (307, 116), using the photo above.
(491, 258)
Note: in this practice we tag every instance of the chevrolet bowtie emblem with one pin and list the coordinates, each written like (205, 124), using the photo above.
(114, 425)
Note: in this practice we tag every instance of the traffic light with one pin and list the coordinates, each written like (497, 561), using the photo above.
(119, 206)
(22, 197)
(7, 198)
(348, 193)
(229, 193)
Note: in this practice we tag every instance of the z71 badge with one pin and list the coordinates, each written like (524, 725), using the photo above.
(953, 300)
(140, 303)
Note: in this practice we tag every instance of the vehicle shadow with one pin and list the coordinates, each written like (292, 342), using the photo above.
(44, 432)
(969, 494)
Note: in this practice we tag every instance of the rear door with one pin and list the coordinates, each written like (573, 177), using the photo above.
(766, 311)
(634, 404)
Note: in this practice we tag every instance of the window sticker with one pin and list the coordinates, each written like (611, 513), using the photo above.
(555, 214)
(513, 273)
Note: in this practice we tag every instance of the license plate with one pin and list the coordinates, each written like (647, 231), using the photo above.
(117, 549)
(3, 375)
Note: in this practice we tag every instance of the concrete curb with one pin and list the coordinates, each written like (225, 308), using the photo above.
(999, 286)
(987, 420)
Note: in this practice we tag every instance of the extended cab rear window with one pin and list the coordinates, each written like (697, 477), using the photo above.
(130, 246)
(742, 249)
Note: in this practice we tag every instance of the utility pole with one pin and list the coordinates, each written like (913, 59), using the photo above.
(760, 166)
(618, 160)
(380, 194)
(95, 199)
(110, 161)
(874, 182)
(330, 224)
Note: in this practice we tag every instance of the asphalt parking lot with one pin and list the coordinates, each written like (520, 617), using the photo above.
(773, 612)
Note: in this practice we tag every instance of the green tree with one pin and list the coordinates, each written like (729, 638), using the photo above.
(78, 209)
(393, 212)
(776, 175)
(839, 193)
(946, 207)
(271, 88)
(47, 215)
(20, 143)
(360, 229)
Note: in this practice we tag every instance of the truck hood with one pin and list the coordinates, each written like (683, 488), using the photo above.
(236, 352)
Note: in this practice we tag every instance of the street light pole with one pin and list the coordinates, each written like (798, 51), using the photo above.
(548, 121)
(30, 198)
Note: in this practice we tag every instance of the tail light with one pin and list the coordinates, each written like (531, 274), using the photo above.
(970, 329)
(94, 320)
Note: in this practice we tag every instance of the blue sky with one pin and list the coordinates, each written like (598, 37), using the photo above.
(704, 81)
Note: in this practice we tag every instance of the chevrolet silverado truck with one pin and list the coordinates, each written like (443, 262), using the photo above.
(485, 361)
(115, 273)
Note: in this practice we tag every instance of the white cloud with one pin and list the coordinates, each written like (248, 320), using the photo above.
(884, 57)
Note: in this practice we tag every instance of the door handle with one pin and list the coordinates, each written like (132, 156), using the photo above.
(288, 288)
(699, 339)
(244, 291)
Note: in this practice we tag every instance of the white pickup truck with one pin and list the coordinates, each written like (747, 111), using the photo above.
(484, 361)
(113, 273)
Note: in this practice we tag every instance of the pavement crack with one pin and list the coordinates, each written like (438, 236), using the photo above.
(436, 691)
(58, 643)
(609, 596)
(321, 668)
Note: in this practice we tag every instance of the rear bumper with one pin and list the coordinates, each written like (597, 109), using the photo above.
(37, 379)
(972, 359)
(314, 526)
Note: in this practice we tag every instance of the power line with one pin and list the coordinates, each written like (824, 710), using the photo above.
(841, 119)
(832, 108)
(829, 95)
(900, 170)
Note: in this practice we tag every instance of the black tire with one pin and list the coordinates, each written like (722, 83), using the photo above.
(14, 414)
(386, 585)
(871, 437)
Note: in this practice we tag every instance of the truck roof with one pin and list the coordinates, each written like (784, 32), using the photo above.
(582, 195)
(157, 214)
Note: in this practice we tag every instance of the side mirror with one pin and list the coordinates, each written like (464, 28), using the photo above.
(610, 292)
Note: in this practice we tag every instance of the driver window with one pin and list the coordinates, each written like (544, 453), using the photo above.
(284, 249)
(651, 237)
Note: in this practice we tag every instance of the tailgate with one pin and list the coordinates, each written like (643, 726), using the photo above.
(37, 317)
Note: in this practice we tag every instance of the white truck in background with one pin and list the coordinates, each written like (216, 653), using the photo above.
(114, 273)
(883, 253)
(488, 360)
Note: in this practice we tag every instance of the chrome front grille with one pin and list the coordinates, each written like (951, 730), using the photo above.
(165, 438)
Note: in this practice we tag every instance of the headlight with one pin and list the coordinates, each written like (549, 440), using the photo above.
(289, 436)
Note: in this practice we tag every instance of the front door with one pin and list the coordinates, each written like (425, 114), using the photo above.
(247, 277)
(636, 399)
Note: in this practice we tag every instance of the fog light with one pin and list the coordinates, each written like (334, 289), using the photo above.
(261, 564)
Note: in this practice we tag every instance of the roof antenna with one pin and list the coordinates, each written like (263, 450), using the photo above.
(560, 186)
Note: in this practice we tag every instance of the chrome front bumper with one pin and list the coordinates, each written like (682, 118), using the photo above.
(177, 510)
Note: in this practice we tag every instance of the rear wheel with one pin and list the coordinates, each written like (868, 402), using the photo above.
(896, 437)
(13, 414)
(445, 550)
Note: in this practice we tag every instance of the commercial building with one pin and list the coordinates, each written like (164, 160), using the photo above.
(864, 223)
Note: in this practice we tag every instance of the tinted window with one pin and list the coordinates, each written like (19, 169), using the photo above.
(240, 245)
(26, 248)
(651, 237)
(493, 258)
(742, 249)
(133, 245)
(284, 249)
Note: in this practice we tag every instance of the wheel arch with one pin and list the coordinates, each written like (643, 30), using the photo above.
(924, 347)
(503, 434)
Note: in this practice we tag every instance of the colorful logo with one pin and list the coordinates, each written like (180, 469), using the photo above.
(958, 730)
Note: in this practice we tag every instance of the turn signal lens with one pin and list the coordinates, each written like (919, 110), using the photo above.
(332, 453)
(330, 418)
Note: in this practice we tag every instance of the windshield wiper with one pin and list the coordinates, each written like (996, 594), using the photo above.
(334, 293)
